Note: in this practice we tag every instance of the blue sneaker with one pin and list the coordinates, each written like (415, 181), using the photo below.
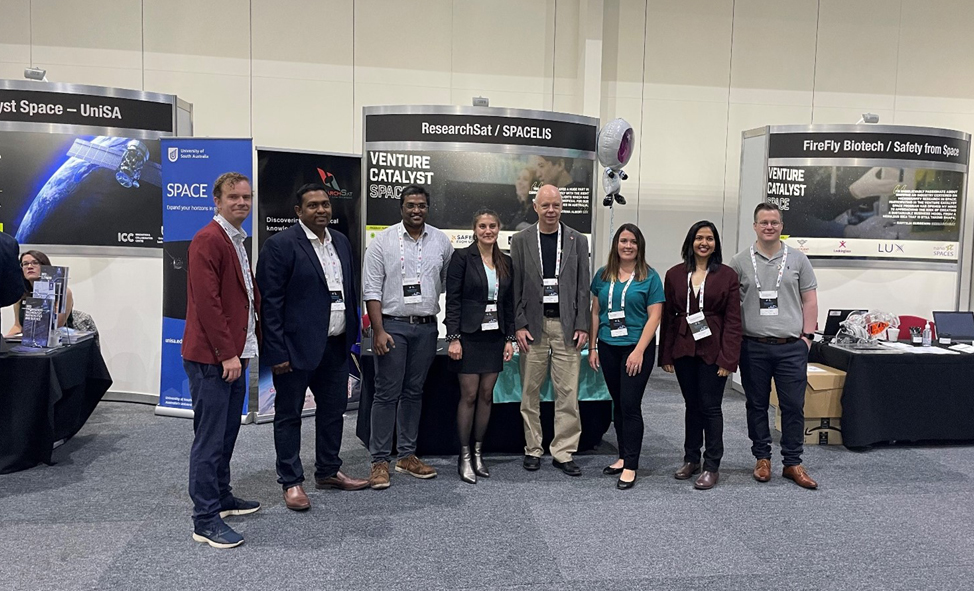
(237, 506)
(218, 535)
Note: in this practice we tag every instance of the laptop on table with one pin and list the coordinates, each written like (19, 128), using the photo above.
(959, 326)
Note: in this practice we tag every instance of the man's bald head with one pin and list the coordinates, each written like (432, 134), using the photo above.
(547, 203)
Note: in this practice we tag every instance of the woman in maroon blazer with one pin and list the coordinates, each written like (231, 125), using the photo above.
(700, 337)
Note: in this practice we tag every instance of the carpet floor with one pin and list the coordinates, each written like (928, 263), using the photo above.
(113, 513)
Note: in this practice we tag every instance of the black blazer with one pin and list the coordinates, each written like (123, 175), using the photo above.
(295, 302)
(466, 293)
(11, 277)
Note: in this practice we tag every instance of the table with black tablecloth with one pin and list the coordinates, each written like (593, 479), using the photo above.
(441, 394)
(45, 399)
(904, 397)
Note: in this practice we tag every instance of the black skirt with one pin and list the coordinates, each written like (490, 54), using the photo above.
(483, 352)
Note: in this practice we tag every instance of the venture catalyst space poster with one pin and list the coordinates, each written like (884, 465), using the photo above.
(80, 190)
(473, 159)
(872, 194)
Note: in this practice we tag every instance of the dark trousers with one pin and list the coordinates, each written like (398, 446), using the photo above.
(627, 397)
(788, 365)
(329, 384)
(703, 391)
(399, 378)
(217, 406)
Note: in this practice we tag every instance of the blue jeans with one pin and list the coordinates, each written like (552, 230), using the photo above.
(788, 365)
(399, 378)
(217, 406)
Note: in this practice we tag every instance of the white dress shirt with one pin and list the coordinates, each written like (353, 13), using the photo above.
(332, 266)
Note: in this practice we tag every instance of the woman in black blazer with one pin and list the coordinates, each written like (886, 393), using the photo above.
(480, 329)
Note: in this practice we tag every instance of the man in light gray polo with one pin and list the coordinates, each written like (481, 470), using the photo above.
(405, 273)
(779, 308)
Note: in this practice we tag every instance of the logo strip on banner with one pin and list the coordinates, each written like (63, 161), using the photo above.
(188, 170)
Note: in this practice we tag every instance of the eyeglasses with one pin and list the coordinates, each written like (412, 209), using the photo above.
(769, 224)
(413, 206)
(26, 264)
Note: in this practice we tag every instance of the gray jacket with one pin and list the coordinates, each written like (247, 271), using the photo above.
(574, 282)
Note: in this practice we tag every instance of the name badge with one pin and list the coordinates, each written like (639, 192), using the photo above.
(617, 324)
(698, 326)
(768, 303)
(490, 318)
(337, 302)
(550, 290)
(412, 293)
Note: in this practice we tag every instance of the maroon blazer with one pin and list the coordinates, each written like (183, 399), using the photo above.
(217, 307)
(721, 308)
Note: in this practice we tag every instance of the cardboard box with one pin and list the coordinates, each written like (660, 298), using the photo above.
(818, 431)
(823, 394)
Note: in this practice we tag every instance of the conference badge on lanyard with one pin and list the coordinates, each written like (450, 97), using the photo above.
(490, 317)
(550, 284)
(337, 299)
(550, 290)
(617, 319)
(697, 322)
(412, 293)
(768, 299)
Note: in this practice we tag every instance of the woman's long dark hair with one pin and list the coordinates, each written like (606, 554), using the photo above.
(41, 258)
(611, 271)
(716, 257)
(500, 263)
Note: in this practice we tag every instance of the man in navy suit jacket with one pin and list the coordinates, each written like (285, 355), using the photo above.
(309, 287)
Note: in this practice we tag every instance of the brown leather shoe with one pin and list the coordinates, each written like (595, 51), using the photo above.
(295, 499)
(341, 482)
(762, 470)
(379, 477)
(706, 481)
(800, 476)
(415, 467)
(686, 471)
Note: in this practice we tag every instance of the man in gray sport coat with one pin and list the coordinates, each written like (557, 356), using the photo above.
(551, 315)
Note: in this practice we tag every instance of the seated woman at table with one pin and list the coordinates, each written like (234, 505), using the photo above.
(480, 328)
(30, 263)
(626, 310)
(700, 340)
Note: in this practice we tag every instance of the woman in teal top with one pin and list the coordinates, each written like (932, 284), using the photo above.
(626, 311)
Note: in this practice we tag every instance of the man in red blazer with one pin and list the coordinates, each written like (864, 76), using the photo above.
(221, 337)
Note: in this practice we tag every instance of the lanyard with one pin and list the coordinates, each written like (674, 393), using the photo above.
(781, 269)
(332, 255)
(624, 290)
(402, 253)
(689, 290)
(557, 256)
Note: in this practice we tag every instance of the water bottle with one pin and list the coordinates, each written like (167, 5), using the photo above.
(927, 335)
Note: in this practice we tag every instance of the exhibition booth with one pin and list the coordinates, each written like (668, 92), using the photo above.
(111, 184)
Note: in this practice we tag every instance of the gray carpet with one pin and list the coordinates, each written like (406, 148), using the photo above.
(113, 513)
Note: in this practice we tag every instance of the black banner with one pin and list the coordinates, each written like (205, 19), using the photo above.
(480, 129)
(873, 145)
(80, 190)
(280, 174)
(32, 106)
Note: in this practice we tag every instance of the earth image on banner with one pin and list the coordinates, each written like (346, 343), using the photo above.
(124, 158)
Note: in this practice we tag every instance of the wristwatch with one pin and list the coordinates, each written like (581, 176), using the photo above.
(809, 335)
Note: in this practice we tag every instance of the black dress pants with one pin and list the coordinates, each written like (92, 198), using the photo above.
(627, 397)
(329, 384)
(788, 365)
(703, 391)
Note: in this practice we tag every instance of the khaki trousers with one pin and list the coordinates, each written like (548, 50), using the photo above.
(564, 362)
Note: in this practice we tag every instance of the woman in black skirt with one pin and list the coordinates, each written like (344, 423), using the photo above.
(480, 329)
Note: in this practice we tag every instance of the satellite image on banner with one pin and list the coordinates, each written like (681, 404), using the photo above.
(80, 189)
(461, 183)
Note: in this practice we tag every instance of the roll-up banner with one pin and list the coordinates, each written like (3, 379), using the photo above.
(190, 166)
(871, 192)
(279, 175)
(470, 158)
